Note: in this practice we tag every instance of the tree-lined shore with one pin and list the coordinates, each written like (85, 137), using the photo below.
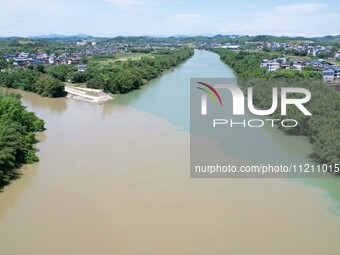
(17, 136)
(322, 128)
(131, 74)
(120, 78)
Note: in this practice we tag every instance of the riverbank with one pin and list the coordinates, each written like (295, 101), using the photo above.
(86, 94)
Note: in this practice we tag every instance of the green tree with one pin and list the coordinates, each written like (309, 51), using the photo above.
(48, 86)
(17, 127)
(3, 64)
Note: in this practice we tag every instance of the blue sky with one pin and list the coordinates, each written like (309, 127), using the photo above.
(166, 17)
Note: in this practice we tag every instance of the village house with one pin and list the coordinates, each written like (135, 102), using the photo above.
(319, 65)
(328, 76)
(272, 66)
(233, 46)
(299, 65)
(285, 65)
(336, 70)
(82, 68)
(281, 60)
(329, 71)
(52, 59)
(337, 54)
(74, 61)
(264, 62)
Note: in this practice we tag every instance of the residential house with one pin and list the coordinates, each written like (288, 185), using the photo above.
(233, 46)
(318, 65)
(73, 61)
(52, 59)
(36, 61)
(285, 66)
(337, 54)
(20, 61)
(272, 66)
(82, 43)
(264, 62)
(336, 70)
(82, 68)
(281, 60)
(299, 65)
(328, 76)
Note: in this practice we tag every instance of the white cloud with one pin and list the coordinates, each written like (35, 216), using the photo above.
(300, 8)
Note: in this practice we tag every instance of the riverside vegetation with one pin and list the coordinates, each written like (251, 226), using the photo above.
(322, 128)
(17, 128)
(117, 79)
(130, 75)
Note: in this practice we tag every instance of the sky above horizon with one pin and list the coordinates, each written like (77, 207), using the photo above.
(166, 17)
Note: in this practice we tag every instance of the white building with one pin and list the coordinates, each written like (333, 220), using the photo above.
(264, 62)
(337, 54)
(328, 76)
(51, 60)
(281, 60)
(298, 65)
(82, 68)
(272, 66)
(336, 70)
(82, 43)
(233, 46)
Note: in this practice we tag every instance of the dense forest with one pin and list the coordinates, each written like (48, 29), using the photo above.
(17, 127)
(322, 128)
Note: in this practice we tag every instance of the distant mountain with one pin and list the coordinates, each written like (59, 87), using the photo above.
(184, 38)
(56, 36)
(10, 37)
(218, 36)
(329, 38)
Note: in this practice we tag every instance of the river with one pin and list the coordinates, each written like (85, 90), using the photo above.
(114, 179)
